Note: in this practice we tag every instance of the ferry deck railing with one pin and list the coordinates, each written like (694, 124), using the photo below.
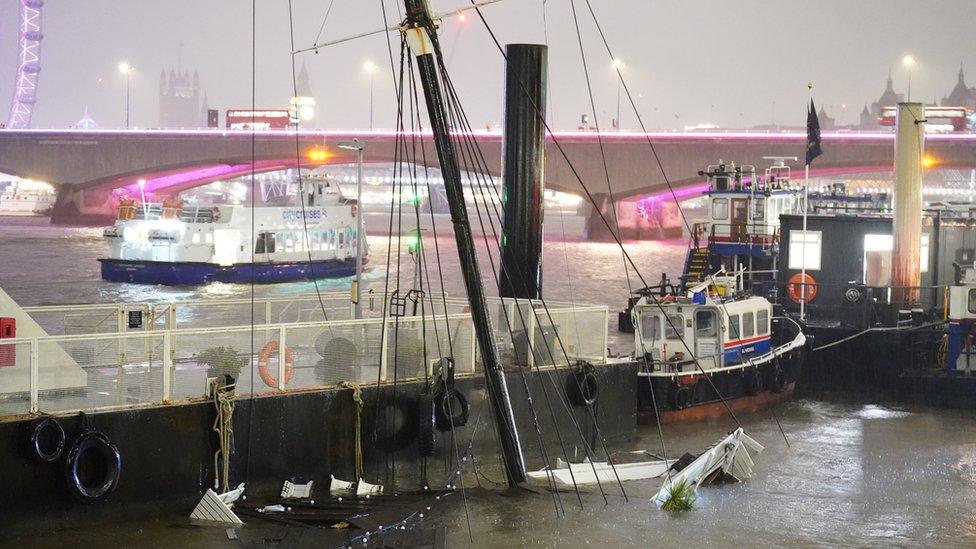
(104, 371)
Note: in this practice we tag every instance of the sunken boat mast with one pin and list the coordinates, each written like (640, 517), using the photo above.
(420, 32)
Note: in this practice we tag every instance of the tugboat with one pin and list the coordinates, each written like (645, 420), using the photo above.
(172, 243)
(743, 226)
(711, 349)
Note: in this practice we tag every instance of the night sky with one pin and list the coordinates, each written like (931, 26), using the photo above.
(734, 63)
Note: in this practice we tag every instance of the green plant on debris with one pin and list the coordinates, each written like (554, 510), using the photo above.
(222, 361)
(681, 497)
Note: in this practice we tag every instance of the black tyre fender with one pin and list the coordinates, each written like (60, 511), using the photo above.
(399, 418)
(92, 467)
(681, 397)
(46, 439)
(754, 382)
(451, 410)
(582, 386)
(778, 382)
(427, 416)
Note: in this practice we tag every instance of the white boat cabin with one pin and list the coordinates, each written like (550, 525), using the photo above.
(744, 209)
(720, 332)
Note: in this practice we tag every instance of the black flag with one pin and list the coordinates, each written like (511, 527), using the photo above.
(813, 134)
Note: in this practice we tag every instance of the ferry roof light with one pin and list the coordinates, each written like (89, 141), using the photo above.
(928, 161)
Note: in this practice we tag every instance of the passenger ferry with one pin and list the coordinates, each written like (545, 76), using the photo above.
(18, 199)
(173, 243)
(712, 348)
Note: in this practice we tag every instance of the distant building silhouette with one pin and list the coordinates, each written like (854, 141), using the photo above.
(303, 103)
(826, 122)
(179, 99)
(961, 95)
(888, 98)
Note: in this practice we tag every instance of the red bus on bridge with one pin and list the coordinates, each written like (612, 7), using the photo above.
(263, 119)
(959, 118)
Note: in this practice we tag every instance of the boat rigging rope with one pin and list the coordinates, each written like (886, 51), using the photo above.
(878, 329)
(472, 155)
(223, 398)
(357, 398)
(477, 155)
(301, 188)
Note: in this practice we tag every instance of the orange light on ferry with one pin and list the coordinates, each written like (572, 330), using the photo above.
(928, 161)
(318, 155)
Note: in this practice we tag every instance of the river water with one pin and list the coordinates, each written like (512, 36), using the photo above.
(856, 473)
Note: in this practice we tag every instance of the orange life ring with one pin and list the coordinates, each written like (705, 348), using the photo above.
(796, 285)
(265, 355)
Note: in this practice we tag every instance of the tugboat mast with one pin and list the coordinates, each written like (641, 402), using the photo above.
(420, 29)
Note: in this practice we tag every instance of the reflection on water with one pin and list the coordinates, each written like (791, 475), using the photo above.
(856, 474)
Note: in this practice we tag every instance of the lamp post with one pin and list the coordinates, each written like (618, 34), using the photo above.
(358, 146)
(618, 66)
(909, 63)
(370, 69)
(126, 70)
(142, 194)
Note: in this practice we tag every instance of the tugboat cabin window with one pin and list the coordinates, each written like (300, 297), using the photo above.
(805, 250)
(705, 324)
(734, 331)
(675, 327)
(762, 322)
(758, 208)
(748, 325)
(650, 327)
(720, 209)
(972, 300)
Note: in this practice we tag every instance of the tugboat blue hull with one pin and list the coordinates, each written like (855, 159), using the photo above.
(184, 274)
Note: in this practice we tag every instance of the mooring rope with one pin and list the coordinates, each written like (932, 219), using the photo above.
(357, 397)
(224, 398)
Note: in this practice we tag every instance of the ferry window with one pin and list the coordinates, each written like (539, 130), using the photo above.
(805, 250)
(196, 238)
(259, 245)
(734, 330)
(705, 324)
(208, 238)
(270, 242)
(972, 300)
(758, 208)
(762, 322)
(651, 327)
(675, 327)
(748, 325)
(720, 208)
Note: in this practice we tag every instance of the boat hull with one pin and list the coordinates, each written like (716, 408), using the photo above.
(657, 396)
(179, 274)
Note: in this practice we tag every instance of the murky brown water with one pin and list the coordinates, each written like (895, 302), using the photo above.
(858, 473)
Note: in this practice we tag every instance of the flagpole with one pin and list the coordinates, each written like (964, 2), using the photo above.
(803, 263)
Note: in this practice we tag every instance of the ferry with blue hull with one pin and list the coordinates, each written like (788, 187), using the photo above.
(171, 243)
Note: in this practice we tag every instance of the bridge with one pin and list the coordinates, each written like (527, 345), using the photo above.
(87, 165)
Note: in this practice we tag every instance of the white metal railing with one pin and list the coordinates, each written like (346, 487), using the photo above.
(99, 371)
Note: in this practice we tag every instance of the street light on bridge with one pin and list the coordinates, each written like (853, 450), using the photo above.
(126, 69)
(370, 69)
(618, 66)
(909, 63)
